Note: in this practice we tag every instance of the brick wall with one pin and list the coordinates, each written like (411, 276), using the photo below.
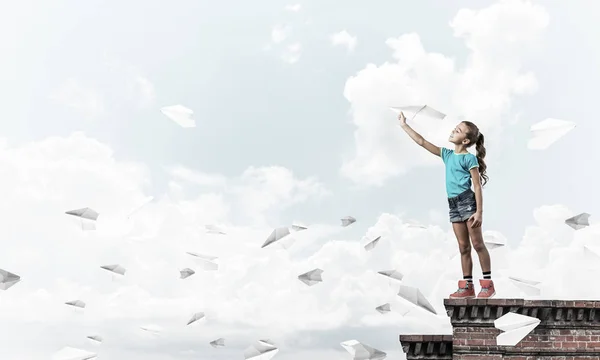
(569, 330)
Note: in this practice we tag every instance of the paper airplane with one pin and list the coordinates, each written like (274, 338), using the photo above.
(69, 353)
(527, 286)
(371, 245)
(360, 351)
(347, 220)
(152, 329)
(180, 114)
(8, 279)
(515, 327)
(208, 262)
(197, 316)
(578, 222)
(493, 240)
(414, 110)
(186, 273)
(96, 339)
(591, 255)
(115, 269)
(312, 277)
(385, 308)
(85, 213)
(261, 350)
(220, 342)
(276, 235)
(392, 274)
(547, 132)
(214, 229)
(415, 296)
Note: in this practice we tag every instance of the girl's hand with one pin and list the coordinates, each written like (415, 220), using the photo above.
(476, 220)
(402, 118)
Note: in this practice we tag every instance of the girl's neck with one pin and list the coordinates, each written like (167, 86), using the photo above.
(460, 149)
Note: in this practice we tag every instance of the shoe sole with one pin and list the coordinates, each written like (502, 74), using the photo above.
(488, 297)
(462, 297)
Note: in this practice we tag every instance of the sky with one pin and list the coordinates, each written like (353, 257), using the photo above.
(291, 105)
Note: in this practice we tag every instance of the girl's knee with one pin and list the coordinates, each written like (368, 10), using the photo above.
(479, 246)
(464, 248)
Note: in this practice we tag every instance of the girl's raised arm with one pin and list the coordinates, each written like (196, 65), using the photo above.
(435, 150)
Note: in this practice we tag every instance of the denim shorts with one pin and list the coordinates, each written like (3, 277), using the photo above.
(463, 206)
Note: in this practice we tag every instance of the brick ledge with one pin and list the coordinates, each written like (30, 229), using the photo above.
(552, 313)
(427, 346)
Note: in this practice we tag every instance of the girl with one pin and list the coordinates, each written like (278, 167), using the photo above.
(466, 205)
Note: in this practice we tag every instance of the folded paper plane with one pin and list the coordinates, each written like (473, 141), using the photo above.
(261, 350)
(411, 111)
(69, 353)
(547, 132)
(414, 295)
(181, 115)
(515, 327)
(312, 277)
(8, 279)
(578, 222)
(360, 351)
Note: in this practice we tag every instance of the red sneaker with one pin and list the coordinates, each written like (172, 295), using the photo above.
(465, 291)
(487, 289)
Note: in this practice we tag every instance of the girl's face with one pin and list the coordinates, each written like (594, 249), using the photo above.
(459, 135)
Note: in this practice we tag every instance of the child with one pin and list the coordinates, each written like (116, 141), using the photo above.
(466, 205)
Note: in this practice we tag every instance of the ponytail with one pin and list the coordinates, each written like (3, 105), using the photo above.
(480, 149)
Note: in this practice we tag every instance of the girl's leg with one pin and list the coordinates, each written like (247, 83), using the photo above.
(464, 247)
(487, 285)
(482, 252)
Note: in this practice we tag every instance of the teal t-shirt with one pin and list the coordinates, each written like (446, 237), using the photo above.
(458, 171)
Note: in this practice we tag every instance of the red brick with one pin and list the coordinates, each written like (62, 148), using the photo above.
(531, 344)
(477, 357)
(569, 345)
(475, 342)
(593, 345)
(557, 338)
(477, 336)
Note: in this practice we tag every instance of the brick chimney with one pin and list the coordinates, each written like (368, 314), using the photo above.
(569, 330)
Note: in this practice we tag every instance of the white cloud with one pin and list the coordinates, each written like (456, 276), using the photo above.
(292, 53)
(255, 294)
(498, 37)
(343, 38)
(79, 97)
(275, 187)
(185, 174)
(280, 33)
(294, 7)
(259, 194)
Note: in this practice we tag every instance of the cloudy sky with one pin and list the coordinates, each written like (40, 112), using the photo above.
(290, 102)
